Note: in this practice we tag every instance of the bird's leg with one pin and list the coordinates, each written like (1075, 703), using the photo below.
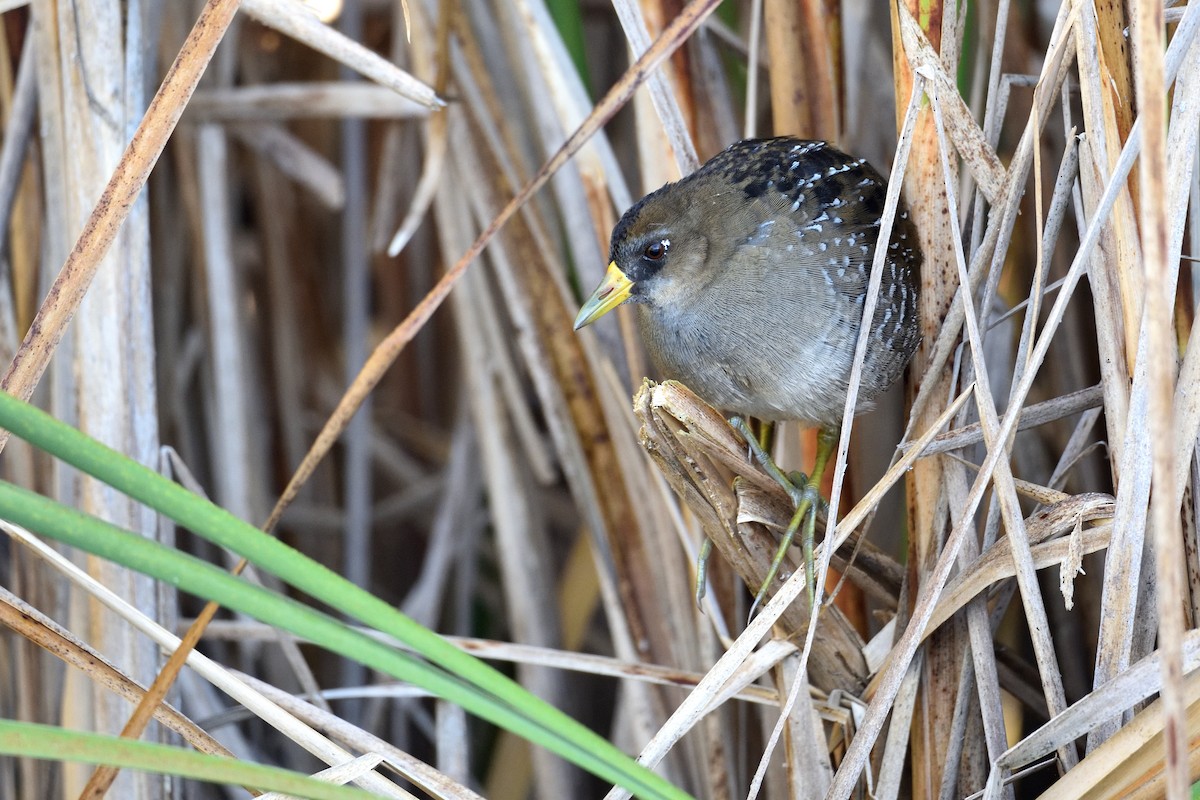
(826, 441)
(760, 454)
(805, 492)
(766, 434)
(762, 441)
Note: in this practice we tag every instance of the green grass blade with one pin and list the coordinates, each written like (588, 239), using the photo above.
(57, 744)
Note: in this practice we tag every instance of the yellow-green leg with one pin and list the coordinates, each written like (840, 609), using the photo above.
(764, 440)
(805, 492)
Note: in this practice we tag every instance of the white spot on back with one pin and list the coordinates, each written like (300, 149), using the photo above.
(762, 233)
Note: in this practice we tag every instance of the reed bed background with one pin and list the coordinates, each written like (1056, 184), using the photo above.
(348, 281)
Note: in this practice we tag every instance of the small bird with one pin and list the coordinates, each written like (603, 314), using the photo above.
(750, 277)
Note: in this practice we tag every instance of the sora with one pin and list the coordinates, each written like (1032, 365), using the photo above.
(750, 277)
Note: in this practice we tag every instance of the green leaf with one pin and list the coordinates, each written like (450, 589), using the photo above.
(56, 744)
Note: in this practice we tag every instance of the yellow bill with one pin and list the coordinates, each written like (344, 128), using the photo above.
(611, 292)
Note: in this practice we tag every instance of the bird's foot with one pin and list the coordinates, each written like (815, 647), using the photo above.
(808, 501)
(806, 497)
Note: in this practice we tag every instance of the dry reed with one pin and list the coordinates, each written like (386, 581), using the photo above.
(1014, 568)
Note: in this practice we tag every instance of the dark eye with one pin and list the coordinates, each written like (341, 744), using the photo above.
(655, 251)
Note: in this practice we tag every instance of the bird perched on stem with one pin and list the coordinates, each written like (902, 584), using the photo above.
(750, 277)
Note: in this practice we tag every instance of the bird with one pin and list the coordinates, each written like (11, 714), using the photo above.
(750, 277)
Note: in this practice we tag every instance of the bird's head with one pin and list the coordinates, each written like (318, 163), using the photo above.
(658, 251)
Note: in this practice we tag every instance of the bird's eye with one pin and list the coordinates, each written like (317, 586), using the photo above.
(655, 251)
